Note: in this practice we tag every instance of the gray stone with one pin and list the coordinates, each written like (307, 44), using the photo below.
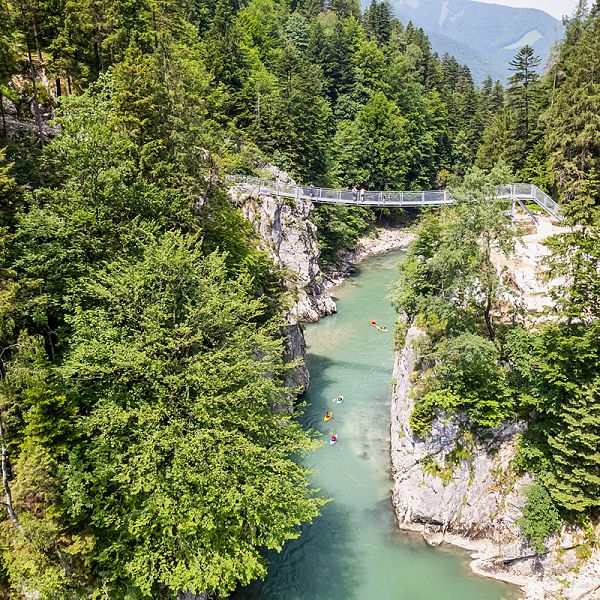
(477, 504)
(286, 233)
(289, 237)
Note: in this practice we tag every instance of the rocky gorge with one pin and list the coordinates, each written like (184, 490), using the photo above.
(287, 234)
(449, 488)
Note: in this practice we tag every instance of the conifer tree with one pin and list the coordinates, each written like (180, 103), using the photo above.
(378, 19)
(522, 93)
(297, 114)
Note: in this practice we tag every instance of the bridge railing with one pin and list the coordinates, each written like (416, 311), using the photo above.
(545, 201)
(335, 196)
(515, 191)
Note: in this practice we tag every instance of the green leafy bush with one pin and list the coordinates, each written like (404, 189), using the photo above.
(469, 366)
(425, 408)
(540, 517)
(531, 457)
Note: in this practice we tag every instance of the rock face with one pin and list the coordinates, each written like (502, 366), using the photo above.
(289, 237)
(454, 489)
(527, 275)
(295, 349)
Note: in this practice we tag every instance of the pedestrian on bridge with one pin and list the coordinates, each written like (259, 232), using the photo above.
(362, 193)
(354, 193)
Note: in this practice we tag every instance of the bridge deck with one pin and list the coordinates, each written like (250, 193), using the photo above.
(517, 192)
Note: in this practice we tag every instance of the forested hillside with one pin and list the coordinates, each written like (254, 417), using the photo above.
(331, 96)
(140, 334)
(483, 35)
(485, 358)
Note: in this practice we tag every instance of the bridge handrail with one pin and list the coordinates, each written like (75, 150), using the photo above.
(335, 196)
(513, 191)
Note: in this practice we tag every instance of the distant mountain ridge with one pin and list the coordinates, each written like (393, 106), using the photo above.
(483, 36)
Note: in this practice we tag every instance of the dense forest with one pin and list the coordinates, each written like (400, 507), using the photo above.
(140, 335)
(484, 359)
(330, 95)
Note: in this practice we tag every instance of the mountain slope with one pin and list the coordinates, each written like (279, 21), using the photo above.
(484, 36)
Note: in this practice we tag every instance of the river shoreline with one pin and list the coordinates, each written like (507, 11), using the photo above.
(380, 240)
(357, 537)
(290, 238)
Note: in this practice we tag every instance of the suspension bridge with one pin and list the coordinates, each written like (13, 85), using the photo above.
(519, 193)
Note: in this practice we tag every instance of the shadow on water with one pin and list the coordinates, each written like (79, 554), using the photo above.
(324, 549)
(300, 571)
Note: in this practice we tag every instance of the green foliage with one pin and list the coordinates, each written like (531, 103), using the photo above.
(338, 228)
(427, 406)
(513, 132)
(540, 517)
(140, 350)
(448, 273)
(296, 116)
(531, 458)
(547, 376)
(469, 366)
(139, 341)
(371, 150)
(560, 381)
(171, 369)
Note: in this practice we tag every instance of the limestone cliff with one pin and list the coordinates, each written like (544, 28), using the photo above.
(287, 234)
(455, 488)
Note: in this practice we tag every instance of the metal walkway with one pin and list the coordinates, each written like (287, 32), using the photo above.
(517, 192)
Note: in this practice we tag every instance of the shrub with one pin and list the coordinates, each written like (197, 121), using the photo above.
(425, 407)
(540, 517)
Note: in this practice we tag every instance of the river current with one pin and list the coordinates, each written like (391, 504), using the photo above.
(354, 551)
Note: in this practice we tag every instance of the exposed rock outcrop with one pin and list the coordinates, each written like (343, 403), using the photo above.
(289, 237)
(525, 267)
(455, 489)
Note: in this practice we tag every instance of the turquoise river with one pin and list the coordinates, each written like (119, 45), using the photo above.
(354, 551)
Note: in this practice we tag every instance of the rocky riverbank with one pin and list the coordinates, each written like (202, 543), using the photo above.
(457, 489)
(379, 240)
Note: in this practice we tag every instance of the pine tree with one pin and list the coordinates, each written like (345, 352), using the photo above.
(332, 50)
(345, 8)
(297, 31)
(522, 92)
(572, 129)
(378, 20)
(296, 116)
(567, 386)
(569, 368)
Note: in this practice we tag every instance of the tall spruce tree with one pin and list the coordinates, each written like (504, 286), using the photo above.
(523, 91)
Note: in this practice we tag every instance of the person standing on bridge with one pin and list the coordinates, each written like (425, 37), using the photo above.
(362, 193)
(354, 193)
(311, 190)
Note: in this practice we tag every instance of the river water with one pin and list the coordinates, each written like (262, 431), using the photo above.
(353, 551)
